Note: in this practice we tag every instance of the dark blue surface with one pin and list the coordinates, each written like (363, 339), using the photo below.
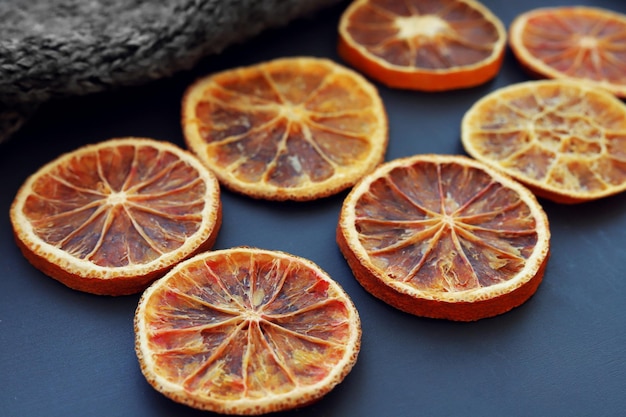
(563, 353)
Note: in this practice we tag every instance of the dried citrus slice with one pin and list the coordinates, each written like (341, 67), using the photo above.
(564, 139)
(423, 44)
(246, 331)
(111, 217)
(573, 42)
(444, 236)
(288, 129)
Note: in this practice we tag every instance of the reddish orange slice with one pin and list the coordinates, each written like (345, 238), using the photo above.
(290, 129)
(246, 331)
(573, 42)
(564, 139)
(444, 236)
(423, 44)
(110, 218)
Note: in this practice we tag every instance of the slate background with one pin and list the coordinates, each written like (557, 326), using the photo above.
(563, 353)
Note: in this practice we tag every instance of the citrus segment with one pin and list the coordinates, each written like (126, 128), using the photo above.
(564, 139)
(423, 44)
(573, 42)
(288, 129)
(445, 237)
(246, 331)
(111, 217)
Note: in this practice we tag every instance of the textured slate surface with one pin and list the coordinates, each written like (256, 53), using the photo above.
(563, 353)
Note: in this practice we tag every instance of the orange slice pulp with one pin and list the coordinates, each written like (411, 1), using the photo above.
(289, 129)
(423, 44)
(445, 237)
(246, 331)
(564, 139)
(109, 218)
(578, 42)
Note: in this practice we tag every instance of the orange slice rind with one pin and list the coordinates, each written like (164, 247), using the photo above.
(246, 331)
(111, 217)
(445, 237)
(288, 129)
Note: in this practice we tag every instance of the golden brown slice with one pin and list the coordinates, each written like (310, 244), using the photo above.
(444, 236)
(246, 331)
(577, 42)
(110, 218)
(288, 129)
(423, 44)
(564, 139)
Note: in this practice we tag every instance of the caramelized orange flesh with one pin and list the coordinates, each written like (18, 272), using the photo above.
(445, 228)
(431, 35)
(444, 236)
(244, 326)
(579, 44)
(288, 129)
(565, 140)
(117, 206)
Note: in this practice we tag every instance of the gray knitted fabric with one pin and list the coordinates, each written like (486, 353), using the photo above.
(57, 48)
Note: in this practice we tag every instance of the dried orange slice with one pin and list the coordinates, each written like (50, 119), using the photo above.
(444, 236)
(564, 139)
(573, 42)
(288, 129)
(246, 331)
(111, 217)
(423, 44)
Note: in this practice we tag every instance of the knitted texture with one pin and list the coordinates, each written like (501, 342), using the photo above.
(57, 48)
